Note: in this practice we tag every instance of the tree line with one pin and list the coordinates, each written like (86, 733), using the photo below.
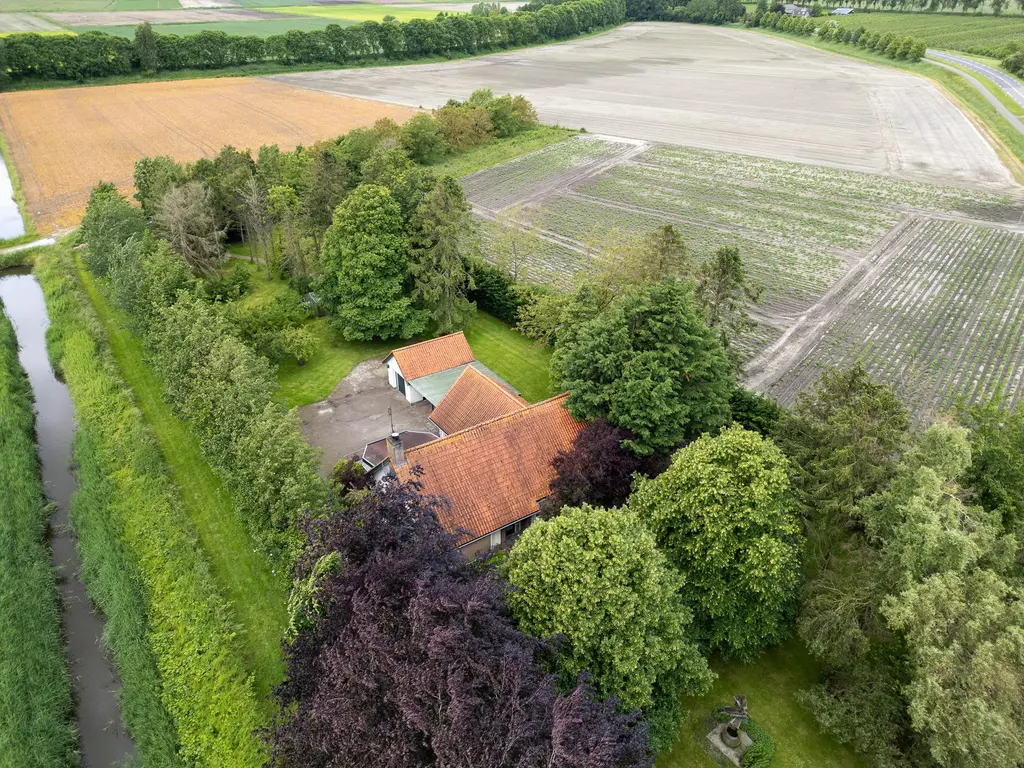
(888, 44)
(97, 54)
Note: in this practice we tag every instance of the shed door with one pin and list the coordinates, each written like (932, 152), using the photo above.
(401, 383)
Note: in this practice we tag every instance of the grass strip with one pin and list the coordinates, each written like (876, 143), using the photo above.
(19, 198)
(493, 152)
(518, 360)
(206, 687)
(257, 596)
(36, 711)
(991, 87)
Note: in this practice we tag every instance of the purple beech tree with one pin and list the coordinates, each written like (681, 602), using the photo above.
(406, 657)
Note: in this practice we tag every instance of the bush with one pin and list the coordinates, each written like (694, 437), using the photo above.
(229, 286)
(35, 689)
(204, 684)
(1014, 64)
(761, 753)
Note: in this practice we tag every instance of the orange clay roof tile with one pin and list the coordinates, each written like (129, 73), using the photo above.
(494, 473)
(474, 398)
(429, 357)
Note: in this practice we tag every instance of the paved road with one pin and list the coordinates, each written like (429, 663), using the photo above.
(1013, 87)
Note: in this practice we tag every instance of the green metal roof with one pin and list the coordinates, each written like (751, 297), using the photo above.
(436, 385)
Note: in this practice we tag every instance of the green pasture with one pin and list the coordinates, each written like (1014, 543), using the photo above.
(770, 685)
(956, 32)
(262, 27)
(357, 11)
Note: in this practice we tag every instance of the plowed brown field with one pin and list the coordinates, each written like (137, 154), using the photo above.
(64, 141)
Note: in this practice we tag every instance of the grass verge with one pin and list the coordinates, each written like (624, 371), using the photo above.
(257, 596)
(19, 198)
(205, 685)
(1007, 140)
(770, 685)
(995, 90)
(484, 156)
(36, 710)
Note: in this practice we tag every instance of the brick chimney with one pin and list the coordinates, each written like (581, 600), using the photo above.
(396, 451)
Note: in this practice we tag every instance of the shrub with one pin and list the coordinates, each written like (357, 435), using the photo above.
(761, 753)
(205, 686)
(496, 293)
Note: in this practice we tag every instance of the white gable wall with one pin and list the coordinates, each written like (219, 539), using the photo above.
(394, 372)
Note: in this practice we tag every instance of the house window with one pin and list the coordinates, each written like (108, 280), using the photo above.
(495, 539)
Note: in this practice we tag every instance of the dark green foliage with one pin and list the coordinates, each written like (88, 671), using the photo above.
(761, 753)
(153, 177)
(96, 54)
(260, 325)
(422, 139)
(1014, 64)
(888, 44)
(708, 12)
(495, 292)
(755, 412)
(109, 221)
(648, 363)
(203, 674)
(146, 52)
(228, 286)
(36, 712)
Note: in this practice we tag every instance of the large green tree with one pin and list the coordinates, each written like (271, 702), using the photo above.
(724, 513)
(596, 578)
(109, 221)
(443, 229)
(647, 363)
(364, 269)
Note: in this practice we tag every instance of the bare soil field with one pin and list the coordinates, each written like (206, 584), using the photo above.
(722, 89)
(65, 141)
(905, 276)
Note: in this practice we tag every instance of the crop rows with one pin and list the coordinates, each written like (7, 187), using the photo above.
(984, 35)
(944, 320)
(542, 172)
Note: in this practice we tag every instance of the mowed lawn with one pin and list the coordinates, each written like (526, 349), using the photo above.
(770, 685)
(257, 595)
(521, 362)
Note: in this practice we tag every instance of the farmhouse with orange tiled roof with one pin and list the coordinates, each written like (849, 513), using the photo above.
(494, 474)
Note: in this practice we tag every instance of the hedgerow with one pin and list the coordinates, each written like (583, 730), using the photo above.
(97, 54)
(206, 689)
(888, 44)
(35, 689)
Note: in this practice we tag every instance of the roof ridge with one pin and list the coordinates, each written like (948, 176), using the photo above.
(504, 390)
(431, 341)
(462, 432)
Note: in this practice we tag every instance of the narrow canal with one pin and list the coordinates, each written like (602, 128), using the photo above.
(102, 739)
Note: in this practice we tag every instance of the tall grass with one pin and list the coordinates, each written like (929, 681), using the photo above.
(206, 689)
(36, 711)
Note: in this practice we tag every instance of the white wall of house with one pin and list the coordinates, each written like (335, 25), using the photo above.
(394, 372)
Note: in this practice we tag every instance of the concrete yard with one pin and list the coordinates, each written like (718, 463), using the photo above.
(356, 413)
(724, 89)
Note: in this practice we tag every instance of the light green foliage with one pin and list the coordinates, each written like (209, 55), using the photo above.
(303, 600)
(726, 294)
(982, 35)
(364, 269)
(725, 515)
(109, 221)
(145, 276)
(965, 634)
(298, 343)
(36, 727)
(153, 177)
(204, 673)
(596, 577)
(443, 236)
(647, 363)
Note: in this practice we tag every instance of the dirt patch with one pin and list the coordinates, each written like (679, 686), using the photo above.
(356, 413)
(65, 141)
(724, 89)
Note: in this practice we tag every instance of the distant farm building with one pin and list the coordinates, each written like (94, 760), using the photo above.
(796, 10)
(842, 11)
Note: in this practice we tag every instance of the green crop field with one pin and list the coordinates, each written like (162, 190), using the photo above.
(945, 319)
(263, 28)
(983, 35)
(357, 11)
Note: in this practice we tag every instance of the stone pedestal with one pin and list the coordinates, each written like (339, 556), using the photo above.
(732, 753)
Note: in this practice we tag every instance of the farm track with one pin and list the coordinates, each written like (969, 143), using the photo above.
(842, 257)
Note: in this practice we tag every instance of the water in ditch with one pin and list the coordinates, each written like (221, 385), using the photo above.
(102, 738)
